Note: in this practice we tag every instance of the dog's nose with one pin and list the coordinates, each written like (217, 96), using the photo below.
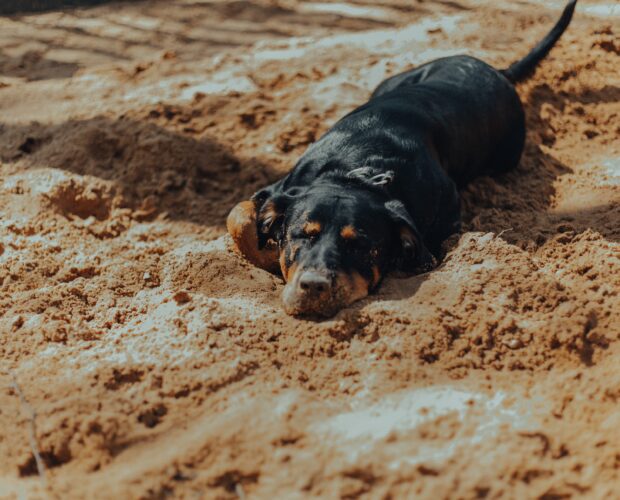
(313, 283)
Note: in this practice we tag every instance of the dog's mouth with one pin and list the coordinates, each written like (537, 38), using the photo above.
(321, 293)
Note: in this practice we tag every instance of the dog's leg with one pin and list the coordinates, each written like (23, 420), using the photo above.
(241, 225)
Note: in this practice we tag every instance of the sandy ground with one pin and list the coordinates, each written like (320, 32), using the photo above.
(141, 358)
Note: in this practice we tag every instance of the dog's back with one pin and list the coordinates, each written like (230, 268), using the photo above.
(470, 111)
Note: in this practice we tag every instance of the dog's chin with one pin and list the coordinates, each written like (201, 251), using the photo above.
(347, 290)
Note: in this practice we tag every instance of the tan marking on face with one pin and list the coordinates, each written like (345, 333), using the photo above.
(294, 250)
(312, 228)
(288, 271)
(359, 287)
(355, 286)
(292, 270)
(283, 266)
(376, 275)
(348, 232)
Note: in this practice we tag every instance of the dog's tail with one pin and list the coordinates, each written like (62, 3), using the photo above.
(523, 68)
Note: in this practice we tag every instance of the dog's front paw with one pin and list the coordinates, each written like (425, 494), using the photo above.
(241, 225)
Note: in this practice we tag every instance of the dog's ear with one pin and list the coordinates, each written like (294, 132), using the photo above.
(411, 256)
(372, 176)
(270, 219)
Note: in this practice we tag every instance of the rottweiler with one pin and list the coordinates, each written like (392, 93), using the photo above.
(378, 193)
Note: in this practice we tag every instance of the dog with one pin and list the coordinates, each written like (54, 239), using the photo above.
(378, 193)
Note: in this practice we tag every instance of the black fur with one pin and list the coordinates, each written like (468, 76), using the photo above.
(397, 162)
(523, 68)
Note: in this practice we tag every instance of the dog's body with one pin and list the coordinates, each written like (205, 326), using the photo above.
(435, 127)
(423, 134)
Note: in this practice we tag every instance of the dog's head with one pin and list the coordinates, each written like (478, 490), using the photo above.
(337, 239)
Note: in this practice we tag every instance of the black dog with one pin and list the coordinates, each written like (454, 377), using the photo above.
(378, 192)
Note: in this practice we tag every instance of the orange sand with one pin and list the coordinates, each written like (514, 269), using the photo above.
(155, 362)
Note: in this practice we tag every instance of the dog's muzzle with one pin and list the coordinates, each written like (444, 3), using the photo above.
(313, 292)
(316, 292)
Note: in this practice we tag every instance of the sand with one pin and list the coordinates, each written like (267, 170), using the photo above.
(142, 358)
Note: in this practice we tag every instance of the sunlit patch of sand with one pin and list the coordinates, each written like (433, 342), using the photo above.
(366, 425)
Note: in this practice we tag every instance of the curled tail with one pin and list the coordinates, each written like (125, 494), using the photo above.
(522, 69)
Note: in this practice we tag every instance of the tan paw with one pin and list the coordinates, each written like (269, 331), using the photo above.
(241, 225)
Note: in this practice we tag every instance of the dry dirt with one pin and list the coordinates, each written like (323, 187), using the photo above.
(141, 358)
